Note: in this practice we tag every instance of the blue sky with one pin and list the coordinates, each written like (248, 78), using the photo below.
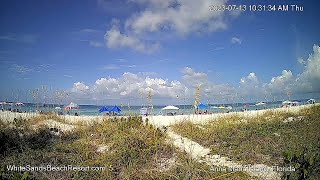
(85, 48)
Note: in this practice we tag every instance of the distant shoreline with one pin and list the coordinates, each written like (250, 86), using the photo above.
(158, 120)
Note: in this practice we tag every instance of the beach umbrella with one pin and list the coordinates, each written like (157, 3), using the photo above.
(170, 108)
(203, 106)
(260, 103)
(115, 109)
(102, 109)
(73, 105)
(286, 102)
(19, 104)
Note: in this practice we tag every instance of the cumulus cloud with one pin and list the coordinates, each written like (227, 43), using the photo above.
(192, 78)
(282, 83)
(251, 80)
(249, 85)
(129, 85)
(135, 86)
(309, 79)
(79, 87)
(115, 39)
(209, 90)
(180, 17)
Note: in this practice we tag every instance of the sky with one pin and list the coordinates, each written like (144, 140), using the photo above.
(116, 51)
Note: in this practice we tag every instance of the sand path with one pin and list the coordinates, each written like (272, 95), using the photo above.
(201, 154)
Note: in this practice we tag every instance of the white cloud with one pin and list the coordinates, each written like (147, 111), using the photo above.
(111, 67)
(250, 88)
(21, 69)
(192, 78)
(65, 75)
(178, 16)
(79, 87)
(131, 66)
(122, 60)
(133, 85)
(235, 40)
(251, 80)
(301, 61)
(282, 83)
(209, 90)
(305, 82)
(44, 67)
(175, 17)
(88, 30)
(115, 39)
(309, 79)
(235, 13)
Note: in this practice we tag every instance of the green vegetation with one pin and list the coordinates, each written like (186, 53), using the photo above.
(264, 139)
(132, 150)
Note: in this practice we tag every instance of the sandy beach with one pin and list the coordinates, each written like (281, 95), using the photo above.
(158, 120)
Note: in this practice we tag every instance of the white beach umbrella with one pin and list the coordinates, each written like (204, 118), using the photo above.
(170, 108)
(286, 102)
(260, 103)
(19, 104)
(73, 105)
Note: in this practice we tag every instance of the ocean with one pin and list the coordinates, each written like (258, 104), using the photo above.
(93, 110)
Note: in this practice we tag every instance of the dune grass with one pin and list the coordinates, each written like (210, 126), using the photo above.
(132, 150)
(263, 139)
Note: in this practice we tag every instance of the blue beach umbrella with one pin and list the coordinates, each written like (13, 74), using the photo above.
(202, 106)
(102, 109)
(115, 109)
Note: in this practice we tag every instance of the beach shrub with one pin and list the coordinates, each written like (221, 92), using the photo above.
(13, 139)
(10, 140)
(305, 162)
